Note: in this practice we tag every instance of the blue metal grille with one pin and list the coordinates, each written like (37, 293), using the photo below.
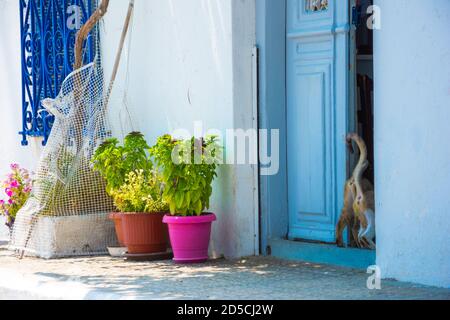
(48, 32)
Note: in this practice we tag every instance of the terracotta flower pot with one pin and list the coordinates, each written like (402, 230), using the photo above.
(190, 237)
(144, 233)
(117, 218)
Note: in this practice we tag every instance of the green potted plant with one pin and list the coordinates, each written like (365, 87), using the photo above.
(140, 201)
(188, 170)
(136, 190)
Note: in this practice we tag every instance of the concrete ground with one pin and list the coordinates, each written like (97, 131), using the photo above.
(246, 279)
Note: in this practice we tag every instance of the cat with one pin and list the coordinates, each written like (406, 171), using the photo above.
(358, 213)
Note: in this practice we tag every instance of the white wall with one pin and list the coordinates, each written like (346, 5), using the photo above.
(191, 61)
(187, 61)
(412, 111)
(11, 150)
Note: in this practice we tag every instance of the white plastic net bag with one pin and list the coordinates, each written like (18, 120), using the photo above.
(66, 214)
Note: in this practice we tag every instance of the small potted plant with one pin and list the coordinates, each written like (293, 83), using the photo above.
(188, 170)
(140, 201)
(136, 191)
(17, 187)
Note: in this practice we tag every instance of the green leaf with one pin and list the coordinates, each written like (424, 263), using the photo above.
(199, 207)
(179, 198)
(173, 208)
(188, 198)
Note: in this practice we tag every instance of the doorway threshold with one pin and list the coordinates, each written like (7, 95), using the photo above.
(322, 253)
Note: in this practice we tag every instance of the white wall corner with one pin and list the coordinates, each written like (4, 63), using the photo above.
(412, 175)
(245, 117)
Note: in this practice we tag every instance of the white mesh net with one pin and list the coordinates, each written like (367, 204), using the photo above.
(67, 213)
(65, 184)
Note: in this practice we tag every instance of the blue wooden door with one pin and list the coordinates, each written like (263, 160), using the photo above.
(318, 113)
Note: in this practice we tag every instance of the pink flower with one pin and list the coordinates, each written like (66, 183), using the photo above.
(14, 166)
(2, 202)
(14, 184)
(9, 193)
(10, 201)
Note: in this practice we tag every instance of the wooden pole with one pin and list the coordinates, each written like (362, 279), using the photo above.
(85, 30)
(82, 35)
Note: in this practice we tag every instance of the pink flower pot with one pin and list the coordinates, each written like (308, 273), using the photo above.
(190, 237)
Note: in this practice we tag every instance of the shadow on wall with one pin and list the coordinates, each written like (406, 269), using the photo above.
(224, 239)
(176, 68)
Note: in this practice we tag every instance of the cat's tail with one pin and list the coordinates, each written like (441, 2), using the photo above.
(363, 163)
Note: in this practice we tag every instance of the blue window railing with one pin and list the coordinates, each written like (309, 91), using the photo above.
(48, 31)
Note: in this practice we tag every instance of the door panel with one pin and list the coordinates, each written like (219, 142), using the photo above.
(317, 115)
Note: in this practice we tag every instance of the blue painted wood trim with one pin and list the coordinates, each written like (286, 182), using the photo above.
(322, 254)
(271, 41)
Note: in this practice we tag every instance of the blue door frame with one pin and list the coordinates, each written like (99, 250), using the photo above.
(271, 41)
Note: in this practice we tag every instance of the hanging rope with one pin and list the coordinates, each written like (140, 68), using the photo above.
(119, 51)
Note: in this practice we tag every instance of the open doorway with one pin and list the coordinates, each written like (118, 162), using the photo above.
(361, 121)
(310, 58)
(364, 76)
